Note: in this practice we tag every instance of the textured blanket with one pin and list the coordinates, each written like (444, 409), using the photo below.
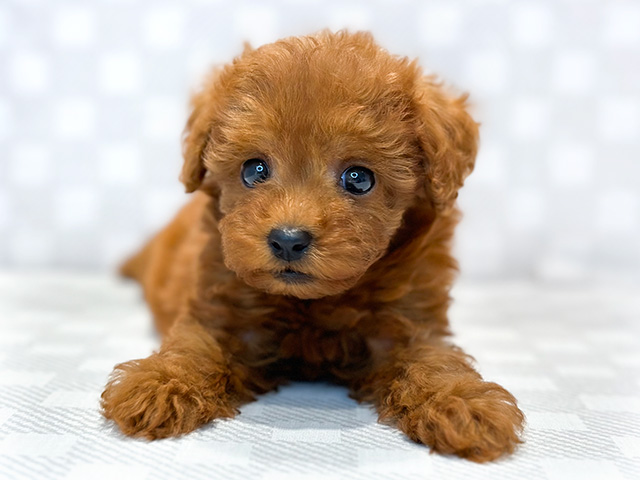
(570, 354)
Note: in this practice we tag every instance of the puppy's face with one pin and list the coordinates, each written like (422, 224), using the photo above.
(317, 147)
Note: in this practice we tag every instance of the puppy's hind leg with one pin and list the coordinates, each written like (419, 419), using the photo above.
(432, 393)
(188, 383)
(135, 266)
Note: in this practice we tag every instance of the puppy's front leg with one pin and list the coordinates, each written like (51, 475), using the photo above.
(433, 394)
(186, 384)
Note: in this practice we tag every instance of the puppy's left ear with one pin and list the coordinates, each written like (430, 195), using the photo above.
(448, 138)
(196, 136)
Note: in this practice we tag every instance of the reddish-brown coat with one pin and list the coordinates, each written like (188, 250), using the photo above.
(374, 318)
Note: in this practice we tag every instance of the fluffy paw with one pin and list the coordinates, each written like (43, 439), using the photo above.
(479, 421)
(155, 399)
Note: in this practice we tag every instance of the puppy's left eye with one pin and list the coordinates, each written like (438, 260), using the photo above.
(254, 171)
(357, 180)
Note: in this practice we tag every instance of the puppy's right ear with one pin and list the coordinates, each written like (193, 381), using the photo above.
(196, 137)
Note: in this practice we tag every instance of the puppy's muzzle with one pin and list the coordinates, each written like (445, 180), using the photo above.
(289, 244)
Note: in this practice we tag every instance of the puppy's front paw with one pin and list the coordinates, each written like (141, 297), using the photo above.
(154, 399)
(479, 421)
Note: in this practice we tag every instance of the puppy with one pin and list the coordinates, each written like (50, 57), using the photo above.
(317, 247)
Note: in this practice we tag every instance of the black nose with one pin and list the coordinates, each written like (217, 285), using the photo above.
(289, 243)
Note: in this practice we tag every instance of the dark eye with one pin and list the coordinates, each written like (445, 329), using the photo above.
(254, 171)
(357, 180)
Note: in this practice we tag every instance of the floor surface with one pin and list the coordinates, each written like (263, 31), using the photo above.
(570, 354)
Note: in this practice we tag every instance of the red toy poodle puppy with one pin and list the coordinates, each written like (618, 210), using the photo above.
(317, 247)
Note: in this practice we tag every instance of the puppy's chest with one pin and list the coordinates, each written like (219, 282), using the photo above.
(328, 339)
(315, 345)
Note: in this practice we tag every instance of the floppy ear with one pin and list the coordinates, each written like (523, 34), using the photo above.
(448, 138)
(196, 136)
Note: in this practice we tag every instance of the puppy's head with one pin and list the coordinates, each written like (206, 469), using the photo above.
(317, 147)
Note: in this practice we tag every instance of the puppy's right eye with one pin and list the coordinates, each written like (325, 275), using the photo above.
(254, 171)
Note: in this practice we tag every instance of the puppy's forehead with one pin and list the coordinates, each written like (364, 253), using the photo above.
(322, 76)
(319, 101)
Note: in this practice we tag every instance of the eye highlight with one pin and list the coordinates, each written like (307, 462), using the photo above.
(254, 171)
(357, 180)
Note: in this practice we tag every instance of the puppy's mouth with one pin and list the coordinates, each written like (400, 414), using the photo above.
(293, 277)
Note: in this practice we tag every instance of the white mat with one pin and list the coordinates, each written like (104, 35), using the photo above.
(570, 354)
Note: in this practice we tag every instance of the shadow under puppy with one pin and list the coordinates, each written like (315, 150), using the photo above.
(318, 247)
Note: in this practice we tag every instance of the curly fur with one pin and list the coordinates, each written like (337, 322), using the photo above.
(374, 316)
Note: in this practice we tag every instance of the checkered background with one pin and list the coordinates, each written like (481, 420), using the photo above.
(570, 355)
(93, 98)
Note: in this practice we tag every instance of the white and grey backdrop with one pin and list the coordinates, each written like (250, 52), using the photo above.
(93, 97)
